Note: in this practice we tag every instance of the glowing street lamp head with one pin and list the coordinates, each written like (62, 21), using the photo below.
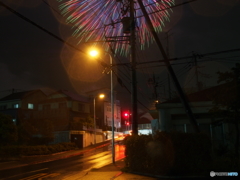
(93, 53)
(101, 96)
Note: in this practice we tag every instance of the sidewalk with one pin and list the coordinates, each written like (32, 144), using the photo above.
(110, 171)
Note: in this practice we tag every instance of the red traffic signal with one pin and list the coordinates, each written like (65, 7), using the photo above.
(126, 114)
(127, 123)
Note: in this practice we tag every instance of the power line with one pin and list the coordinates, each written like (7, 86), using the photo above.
(56, 37)
(169, 7)
(184, 58)
(51, 7)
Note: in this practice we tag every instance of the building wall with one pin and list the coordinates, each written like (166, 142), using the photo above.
(80, 107)
(33, 98)
(108, 114)
(174, 114)
(62, 111)
(24, 108)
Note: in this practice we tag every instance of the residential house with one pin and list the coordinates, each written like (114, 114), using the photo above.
(66, 111)
(21, 106)
(62, 110)
(173, 116)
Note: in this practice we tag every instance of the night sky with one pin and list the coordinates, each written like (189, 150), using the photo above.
(32, 59)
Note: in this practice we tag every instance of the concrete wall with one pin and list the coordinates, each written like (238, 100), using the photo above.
(88, 137)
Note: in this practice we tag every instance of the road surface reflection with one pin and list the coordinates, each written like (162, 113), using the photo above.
(119, 151)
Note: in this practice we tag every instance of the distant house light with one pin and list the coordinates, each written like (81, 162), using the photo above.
(14, 121)
(30, 106)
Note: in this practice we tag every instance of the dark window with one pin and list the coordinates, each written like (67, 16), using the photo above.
(62, 105)
(46, 107)
(205, 128)
(81, 107)
(2, 107)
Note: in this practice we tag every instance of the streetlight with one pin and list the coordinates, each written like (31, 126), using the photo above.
(94, 114)
(94, 53)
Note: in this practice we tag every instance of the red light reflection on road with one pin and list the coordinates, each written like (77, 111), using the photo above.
(119, 151)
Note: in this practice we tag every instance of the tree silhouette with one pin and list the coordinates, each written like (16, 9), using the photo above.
(227, 100)
(8, 130)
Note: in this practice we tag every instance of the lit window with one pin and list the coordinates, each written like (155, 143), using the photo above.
(30, 106)
(16, 106)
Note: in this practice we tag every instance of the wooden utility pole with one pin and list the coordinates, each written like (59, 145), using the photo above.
(196, 71)
(133, 68)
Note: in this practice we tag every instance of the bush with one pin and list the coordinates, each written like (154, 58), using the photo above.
(10, 151)
(8, 130)
(167, 153)
(192, 150)
(223, 164)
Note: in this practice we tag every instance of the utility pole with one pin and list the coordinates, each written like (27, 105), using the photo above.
(169, 87)
(168, 55)
(170, 69)
(196, 71)
(133, 68)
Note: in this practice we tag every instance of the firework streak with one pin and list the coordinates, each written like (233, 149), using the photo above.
(100, 20)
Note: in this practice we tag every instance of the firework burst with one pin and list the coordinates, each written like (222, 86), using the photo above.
(101, 20)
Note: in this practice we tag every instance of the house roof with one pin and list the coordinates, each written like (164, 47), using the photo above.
(145, 118)
(70, 95)
(17, 95)
(201, 96)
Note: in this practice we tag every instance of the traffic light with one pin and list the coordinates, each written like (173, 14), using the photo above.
(127, 123)
(126, 114)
